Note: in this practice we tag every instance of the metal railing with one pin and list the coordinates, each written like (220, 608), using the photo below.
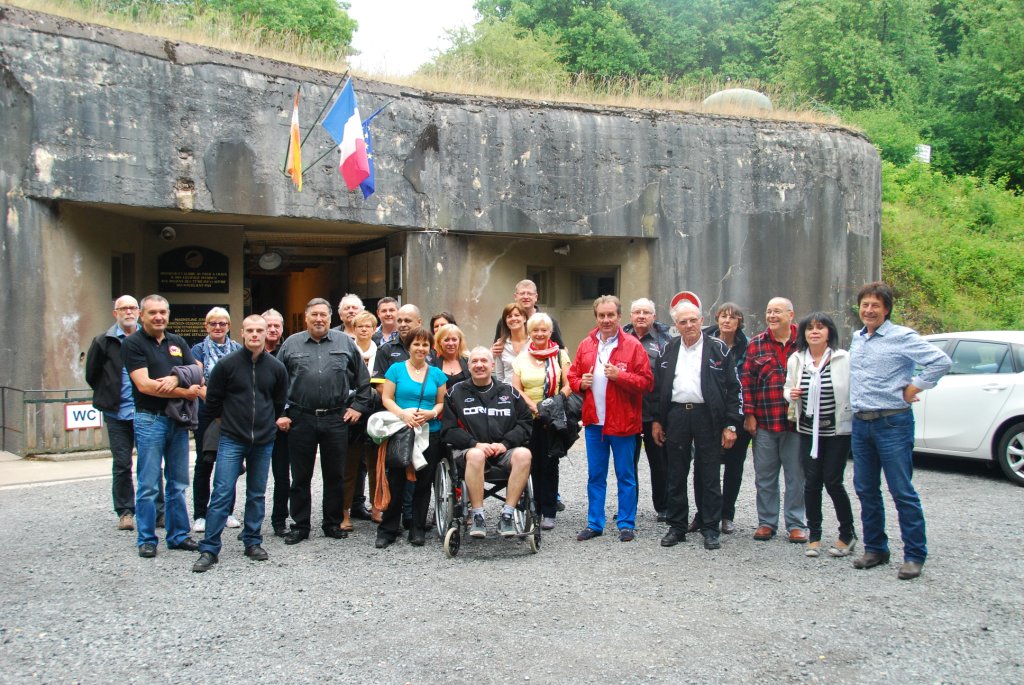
(33, 422)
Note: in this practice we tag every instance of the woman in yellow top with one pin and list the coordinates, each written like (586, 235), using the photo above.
(538, 372)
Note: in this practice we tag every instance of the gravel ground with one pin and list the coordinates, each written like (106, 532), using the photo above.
(80, 606)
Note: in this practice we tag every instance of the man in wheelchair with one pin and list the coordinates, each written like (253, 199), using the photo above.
(487, 423)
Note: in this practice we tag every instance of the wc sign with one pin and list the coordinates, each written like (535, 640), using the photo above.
(81, 416)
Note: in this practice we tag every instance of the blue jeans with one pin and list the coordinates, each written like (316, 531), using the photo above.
(158, 438)
(621, 448)
(230, 455)
(886, 445)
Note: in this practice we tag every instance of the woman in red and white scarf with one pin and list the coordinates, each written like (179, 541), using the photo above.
(538, 372)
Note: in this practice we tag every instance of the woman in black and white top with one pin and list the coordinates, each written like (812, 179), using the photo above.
(818, 390)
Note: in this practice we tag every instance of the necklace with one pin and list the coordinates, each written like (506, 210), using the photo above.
(414, 370)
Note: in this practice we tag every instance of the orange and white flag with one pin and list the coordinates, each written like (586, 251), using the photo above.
(294, 167)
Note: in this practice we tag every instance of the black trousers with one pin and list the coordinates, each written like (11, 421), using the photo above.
(656, 462)
(330, 433)
(689, 432)
(827, 470)
(280, 466)
(391, 522)
(203, 472)
(544, 470)
(732, 460)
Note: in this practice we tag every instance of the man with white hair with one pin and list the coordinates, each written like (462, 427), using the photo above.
(698, 407)
(487, 422)
(654, 336)
(348, 307)
(525, 294)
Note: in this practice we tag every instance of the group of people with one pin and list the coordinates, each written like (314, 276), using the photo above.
(697, 394)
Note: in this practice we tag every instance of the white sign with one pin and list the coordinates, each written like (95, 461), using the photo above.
(81, 416)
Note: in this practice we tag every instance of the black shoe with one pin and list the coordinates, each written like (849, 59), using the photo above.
(294, 537)
(280, 530)
(256, 553)
(627, 535)
(336, 533)
(712, 541)
(160, 521)
(406, 523)
(560, 505)
(871, 560)
(417, 537)
(360, 513)
(205, 562)
(673, 538)
(147, 551)
(186, 545)
(588, 533)
(383, 540)
(728, 527)
(694, 524)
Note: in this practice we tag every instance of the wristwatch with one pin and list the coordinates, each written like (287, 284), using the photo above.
(731, 428)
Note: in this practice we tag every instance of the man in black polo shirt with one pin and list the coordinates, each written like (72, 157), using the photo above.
(328, 388)
(149, 354)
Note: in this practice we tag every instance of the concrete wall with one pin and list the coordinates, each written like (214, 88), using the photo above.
(476, 189)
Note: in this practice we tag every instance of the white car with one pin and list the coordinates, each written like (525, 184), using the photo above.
(977, 409)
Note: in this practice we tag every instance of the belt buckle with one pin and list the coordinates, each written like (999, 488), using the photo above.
(320, 412)
(688, 406)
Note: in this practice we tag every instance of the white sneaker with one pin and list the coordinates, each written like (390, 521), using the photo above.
(547, 523)
(199, 526)
(233, 522)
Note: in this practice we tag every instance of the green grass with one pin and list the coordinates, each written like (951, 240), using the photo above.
(953, 248)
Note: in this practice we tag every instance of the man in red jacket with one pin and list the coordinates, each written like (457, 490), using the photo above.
(613, 372)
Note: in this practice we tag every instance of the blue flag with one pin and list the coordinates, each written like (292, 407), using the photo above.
(367, 186)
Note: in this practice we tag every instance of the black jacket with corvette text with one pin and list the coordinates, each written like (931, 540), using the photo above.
(494, 414)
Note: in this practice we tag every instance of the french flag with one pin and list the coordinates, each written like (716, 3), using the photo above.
(346, 128)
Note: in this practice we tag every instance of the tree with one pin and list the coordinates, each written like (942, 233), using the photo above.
(321, 21)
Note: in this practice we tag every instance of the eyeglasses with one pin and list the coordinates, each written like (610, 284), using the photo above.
(217, 324)
(126, 310)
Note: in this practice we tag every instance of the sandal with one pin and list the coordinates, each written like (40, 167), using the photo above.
(346, 526)
(842, 549)
(813, 549)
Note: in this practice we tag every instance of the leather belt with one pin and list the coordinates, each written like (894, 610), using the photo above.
(879, 414)
(689, 406)
(319, 412)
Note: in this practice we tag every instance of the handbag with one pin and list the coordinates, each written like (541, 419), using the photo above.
(398, 453)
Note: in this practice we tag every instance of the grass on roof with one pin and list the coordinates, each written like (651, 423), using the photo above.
(171, 24)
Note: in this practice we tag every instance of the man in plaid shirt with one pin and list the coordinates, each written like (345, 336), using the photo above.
(765, 407)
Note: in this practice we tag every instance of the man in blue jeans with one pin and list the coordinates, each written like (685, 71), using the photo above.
(149, 354)
(247, 393)
(883, 357)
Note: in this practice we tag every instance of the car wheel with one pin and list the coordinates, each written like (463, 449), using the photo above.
(1010, 454)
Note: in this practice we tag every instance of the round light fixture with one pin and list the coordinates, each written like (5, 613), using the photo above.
(269, 261)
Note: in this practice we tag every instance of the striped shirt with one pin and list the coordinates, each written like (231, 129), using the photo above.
(826, 404)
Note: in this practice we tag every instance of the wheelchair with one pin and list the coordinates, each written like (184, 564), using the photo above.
(451, 505)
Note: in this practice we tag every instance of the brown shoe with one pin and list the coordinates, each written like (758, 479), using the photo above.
(764, 533)
(728, 527)
(871, 560)
(126, 522)
(798, 535)
(694, 525)
(910, 570)
(376, 515)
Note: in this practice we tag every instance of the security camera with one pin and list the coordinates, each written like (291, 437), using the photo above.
(167, 233)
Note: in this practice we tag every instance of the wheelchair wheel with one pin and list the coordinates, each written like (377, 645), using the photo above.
(452, 541)
(523, 516)
(535, 540)
(444, 498)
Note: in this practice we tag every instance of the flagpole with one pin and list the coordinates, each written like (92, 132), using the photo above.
(324, 108)
(335, 148)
